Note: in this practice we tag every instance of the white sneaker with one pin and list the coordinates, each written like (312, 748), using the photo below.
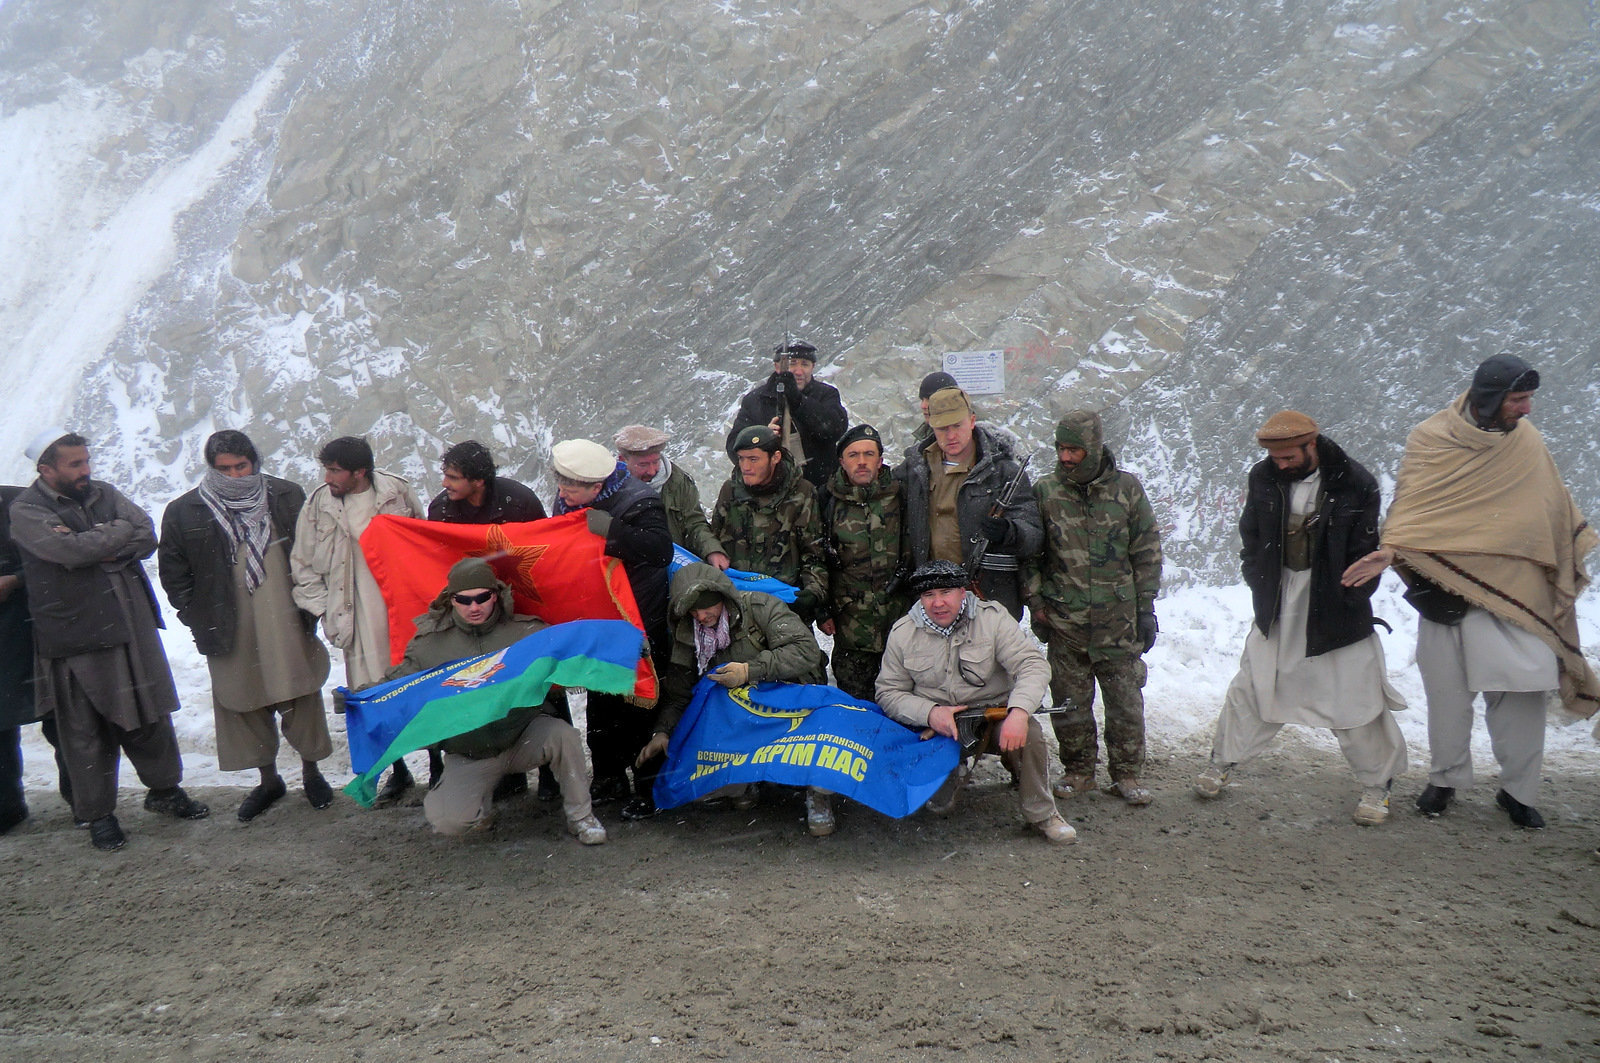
(1373, 808)
(819, 814)
(1213, 780)
(588, 830)
(1055, 830)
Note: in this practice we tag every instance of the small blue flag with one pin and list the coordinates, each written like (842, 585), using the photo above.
(742, 580)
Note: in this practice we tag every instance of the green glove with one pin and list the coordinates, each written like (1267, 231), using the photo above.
(599, 521)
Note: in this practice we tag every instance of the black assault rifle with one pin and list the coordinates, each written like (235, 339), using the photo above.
(980, 548)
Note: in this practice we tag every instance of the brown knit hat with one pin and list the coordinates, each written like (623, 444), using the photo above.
(1287, 428)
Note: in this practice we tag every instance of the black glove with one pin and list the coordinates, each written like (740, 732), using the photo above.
(1147, 628)
(338, 700)
(785, 383)
(805, 606)
(308, 621)
(995, 529)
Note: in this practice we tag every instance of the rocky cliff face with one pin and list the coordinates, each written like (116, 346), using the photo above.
(529, 221)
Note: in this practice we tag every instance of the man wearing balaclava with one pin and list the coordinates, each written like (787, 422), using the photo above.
(1491, 546)
(1092, 596)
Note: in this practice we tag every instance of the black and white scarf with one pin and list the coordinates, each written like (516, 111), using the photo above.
(968, 609)
(239, 505)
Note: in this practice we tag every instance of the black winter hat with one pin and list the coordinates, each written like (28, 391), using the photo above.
(936, 382)
(936, 574)
(1495, 379)
(796, 349)
(856, 434)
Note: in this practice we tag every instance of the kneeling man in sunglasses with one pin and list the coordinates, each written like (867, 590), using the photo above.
(473, 616)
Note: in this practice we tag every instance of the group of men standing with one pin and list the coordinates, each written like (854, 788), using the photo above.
(919, 573)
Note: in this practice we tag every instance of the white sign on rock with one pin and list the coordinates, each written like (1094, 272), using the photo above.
(978, 372)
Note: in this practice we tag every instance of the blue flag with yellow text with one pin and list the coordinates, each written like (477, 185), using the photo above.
(801, 735)
(742, 580)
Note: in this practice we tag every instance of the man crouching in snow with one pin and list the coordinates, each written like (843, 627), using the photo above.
(470, 617)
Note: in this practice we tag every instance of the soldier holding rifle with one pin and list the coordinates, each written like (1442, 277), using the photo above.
(956, 491)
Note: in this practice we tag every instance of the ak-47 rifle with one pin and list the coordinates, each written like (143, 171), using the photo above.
(981, 547)
(978, 727)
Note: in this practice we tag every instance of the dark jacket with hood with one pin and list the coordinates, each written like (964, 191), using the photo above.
(763, 633)
(641, 539)
(1346, 529)
(196, 566)
(16, 632)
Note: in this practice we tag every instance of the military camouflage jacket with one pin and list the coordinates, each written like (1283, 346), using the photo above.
(1101, 562)
(685, 517)
(866, 559)
(776, 533)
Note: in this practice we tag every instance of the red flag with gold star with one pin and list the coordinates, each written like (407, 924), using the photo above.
(557, 568)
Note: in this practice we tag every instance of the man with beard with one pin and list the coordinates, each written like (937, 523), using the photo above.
(807, 415)
(1092, 595)
(766, 516)
(100, 667)
(224, 562)
(631, 519)
(331, 578)
(475, 493)
(640, 447)
(1491, 544)
(1312, 657)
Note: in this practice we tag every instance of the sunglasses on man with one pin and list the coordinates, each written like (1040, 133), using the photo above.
(472, 599)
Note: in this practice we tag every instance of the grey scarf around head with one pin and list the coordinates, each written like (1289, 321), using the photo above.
(239, 505)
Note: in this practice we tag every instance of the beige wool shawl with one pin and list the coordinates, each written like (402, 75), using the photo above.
(1486, 516)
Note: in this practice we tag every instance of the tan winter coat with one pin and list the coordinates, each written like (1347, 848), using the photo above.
(325, 554)
(986, 661)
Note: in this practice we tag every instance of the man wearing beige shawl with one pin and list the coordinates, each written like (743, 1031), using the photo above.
(1491, 546)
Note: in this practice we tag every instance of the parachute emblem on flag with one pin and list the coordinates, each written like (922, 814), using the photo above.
(477, 673)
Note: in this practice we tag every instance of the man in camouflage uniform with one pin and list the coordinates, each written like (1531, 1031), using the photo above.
(766, 515)
(640, 447)
(861, 516)
(1092, 593)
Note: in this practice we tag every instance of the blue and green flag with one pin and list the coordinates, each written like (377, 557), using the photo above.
(801, 735)
(389, 720)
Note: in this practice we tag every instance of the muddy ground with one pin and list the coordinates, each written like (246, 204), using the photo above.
(1263, 926)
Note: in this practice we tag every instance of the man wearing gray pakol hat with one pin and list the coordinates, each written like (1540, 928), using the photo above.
(640, 447)
(633, 521)
(101, 666)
